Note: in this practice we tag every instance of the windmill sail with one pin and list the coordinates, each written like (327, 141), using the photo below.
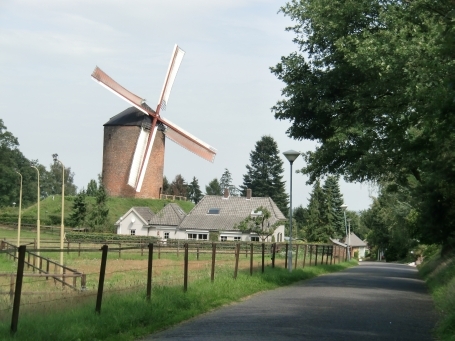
(188, 141)
(138, 185)
(173, 68)
(102, 78)
(138, 157)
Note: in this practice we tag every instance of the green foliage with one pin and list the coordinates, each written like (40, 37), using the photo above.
(226, 182)
(259, 222)
(213, 188)
(265, 173)
(439, 274)
(98, 216)
(178, 186)
(194, 191)
(333, 199)
(78, 216)
(92, 188)
(372, 83)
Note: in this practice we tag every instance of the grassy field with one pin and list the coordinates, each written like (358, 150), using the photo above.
(127, 315)
(50, 208)
(439, 274)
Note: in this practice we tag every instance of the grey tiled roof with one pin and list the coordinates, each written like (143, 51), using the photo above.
(170, 215)
(232, 211)
(144, 212)
(355, 241)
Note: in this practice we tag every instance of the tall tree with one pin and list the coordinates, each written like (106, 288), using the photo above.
(178, 186)
(52, 180)
(317, 229)
(213, 188)
(92, 188)
(98, 217)
(226, 182)
(194, 191)
(265, 173)
(373, 85)
(333, 201)
(78, 216)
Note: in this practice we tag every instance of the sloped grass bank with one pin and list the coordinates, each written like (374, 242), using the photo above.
(439, 274)
(127, 315)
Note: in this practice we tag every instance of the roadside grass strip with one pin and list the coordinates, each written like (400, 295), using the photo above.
(127, 315)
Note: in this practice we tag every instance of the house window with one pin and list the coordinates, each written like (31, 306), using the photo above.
(133, 232)
(192, 236)
(237, 239)
(202, 236)
(223, 238)
(255, 239)
(166, 235)
(213, 211)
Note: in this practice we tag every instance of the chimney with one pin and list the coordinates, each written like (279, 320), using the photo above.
(226, 193)
(248, 193)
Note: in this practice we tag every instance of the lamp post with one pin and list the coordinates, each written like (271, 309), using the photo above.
(20, 213)
(291, 155)
(349, 238)
(38, 231)
(344, 207)
(62, 228)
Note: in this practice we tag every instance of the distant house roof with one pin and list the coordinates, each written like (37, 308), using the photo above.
(221, 213)
(337, 242)
(144, 213)
(171, 215)
(354, 241)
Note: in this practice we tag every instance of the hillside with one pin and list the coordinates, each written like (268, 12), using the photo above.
(50, 209)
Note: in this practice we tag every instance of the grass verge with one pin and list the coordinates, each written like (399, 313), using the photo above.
(439, 274)
(127, 315)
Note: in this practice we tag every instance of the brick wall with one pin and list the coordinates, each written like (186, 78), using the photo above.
(118, 150)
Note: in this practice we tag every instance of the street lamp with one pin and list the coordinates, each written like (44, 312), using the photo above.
(20, 213)
(344, 207)
(291, 155)
(62, 228)
(349, 238)
(38, 232)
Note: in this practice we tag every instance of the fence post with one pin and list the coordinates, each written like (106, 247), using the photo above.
(159, 250)
(142, 249)
(273, 254)
(197, 253)
(149, 272)
(63, 276)
(331, 255)
(119, 250)
(79, 252)
(178, 248)
(28, 260)
(251, 259)
(286, 257)
(296, 255)
(68, 249)
(83, 282)
(237, 254)
(311, 253)
(316, 256)
(47, 268)
(99, 297)
(185, 269)
(17, 292)
(263, 252)
(304, 255)
(212, 274)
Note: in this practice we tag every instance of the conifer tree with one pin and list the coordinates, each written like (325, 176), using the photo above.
(98, 217)
(92, 188)
(314, 224)
(226, 182)
(333, 201)
(178, 186)
(265, 173)
(213, 188)
(194, 191)
(79, 211)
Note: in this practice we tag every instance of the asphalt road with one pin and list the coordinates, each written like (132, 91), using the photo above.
(373, 301)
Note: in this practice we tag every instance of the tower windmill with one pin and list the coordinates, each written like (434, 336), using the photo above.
(145, 142)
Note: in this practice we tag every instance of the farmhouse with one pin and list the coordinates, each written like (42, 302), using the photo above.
(134, 221)
(213, 218)
(355, 243)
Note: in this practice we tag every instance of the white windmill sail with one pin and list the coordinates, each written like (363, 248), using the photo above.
(173, 68)
(138, 156)
(146, 161)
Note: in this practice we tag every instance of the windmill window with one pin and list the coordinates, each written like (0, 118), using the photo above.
(213, 211)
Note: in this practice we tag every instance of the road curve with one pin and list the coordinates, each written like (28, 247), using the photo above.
(373, 301)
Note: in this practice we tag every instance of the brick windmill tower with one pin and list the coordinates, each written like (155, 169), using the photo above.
(133, 148)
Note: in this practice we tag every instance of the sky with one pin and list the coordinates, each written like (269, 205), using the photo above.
(223, 92)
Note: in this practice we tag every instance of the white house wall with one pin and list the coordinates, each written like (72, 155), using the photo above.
(132, 222)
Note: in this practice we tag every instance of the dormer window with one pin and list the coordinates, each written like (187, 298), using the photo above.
(256, 213)
(213, 211)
